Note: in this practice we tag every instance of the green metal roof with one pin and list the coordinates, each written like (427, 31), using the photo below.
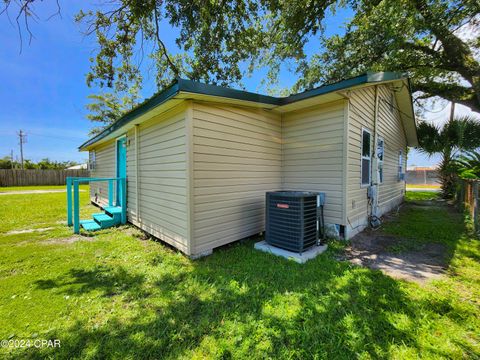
(189, 86)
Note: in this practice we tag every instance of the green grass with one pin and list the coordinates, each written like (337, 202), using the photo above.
(117, 295)
(426, 222)
(21, 188)
(421, 195)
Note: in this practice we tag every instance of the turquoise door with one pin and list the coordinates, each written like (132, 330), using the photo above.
(121, 166)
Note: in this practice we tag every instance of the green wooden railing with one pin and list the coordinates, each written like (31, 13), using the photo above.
(74, 202)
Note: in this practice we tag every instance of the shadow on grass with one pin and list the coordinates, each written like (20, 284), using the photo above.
(239, 303)
(109, 281)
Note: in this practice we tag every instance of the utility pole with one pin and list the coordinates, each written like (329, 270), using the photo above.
(22, 138)
(11, 158)
(452, 111)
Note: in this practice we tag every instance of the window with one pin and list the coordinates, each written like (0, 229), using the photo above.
(366, 156)
(380, 154)
(401, 174)
(92, 160)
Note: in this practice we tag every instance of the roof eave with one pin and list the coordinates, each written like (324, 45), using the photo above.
(189, 86)
(143, 108)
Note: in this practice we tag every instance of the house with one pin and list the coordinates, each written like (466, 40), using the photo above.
(422, 175)
(78, 167)
(199, 158)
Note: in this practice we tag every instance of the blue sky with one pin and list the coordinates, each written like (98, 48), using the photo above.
(44, 92)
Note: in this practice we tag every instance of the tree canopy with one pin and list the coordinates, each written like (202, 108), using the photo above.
(44, 164)
(436, 42)
(106, 108)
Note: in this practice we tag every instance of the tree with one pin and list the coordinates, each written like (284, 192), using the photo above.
(47, 164)
(457, 135)
(468, 165)
(422, 38)
(6, 163)
(106, 108)
(215, 37)
(221, 42)
(44, 164)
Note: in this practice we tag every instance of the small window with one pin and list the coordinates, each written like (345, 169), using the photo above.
(366, 156)
(92, 160)
(401, 173)
(380, 155)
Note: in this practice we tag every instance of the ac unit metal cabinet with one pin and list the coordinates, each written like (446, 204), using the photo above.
(291, 219)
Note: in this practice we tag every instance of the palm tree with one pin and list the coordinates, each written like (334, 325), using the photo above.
(468, 165)
(457, 135)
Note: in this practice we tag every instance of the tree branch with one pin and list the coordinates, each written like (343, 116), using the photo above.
(458, 54)
(162, 45)
(456, 93)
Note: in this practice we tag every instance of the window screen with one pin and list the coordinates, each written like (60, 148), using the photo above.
(366, 143)
(92, 159)
(380, 155)
(400, 165)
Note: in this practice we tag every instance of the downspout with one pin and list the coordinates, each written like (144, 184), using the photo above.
(137, 177)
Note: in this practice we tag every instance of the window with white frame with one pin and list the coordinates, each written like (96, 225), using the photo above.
(400, 165)
(380, 155)
(92, 160)
(366, 162)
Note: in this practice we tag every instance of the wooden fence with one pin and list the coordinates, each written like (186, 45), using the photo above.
(468, 198)
(9, 177)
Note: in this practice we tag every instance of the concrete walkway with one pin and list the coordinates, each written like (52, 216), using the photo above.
(22, 192)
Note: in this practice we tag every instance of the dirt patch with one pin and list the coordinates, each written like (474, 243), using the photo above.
(67, 240)
(27, 231)
(371, 250)
(59, 241)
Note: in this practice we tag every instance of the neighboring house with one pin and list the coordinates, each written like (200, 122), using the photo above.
(78, 167)
(199, 158)
(422, 175)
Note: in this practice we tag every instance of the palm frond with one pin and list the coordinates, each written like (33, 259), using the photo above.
(428, 138)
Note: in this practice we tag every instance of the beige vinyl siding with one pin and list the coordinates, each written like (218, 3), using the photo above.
(313, 154)
(236, 159)
(104, 167)
(389, 127)
(162, 200)
(361, 114)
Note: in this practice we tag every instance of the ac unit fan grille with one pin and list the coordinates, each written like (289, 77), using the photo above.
(291, 220)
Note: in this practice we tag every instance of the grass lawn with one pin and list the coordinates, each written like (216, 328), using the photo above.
(117, 295)
(421, 195)
(20, 188)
